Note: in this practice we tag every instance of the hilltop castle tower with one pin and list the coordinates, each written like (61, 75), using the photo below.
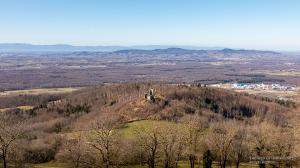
(150, 95)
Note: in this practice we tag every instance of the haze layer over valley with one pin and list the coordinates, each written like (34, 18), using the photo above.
(23, 70)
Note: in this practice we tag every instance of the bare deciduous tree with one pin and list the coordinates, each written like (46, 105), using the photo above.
(283, 145)
(180, 145)
(74, 151)
(149, 140)
(261, 141)
(10, 131)
(240, 144)
(105, 140)
(170, 144)
(195, 128)
(220, 140)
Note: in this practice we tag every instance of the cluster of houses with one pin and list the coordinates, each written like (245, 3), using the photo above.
(262, 86)
(259, 86)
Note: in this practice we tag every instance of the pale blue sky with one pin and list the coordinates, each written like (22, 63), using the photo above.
(258, 24)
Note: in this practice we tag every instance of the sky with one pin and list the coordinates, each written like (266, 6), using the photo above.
(250, 24)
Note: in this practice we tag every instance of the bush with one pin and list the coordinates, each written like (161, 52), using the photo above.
(41, 155)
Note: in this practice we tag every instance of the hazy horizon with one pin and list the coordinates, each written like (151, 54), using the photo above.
(107, 48)
(261, 25)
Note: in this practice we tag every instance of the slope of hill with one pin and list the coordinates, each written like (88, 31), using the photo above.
(172, 102)
(56, 122)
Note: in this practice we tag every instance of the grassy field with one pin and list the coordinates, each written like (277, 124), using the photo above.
(128, 130)
(39, 91)
(19, 107)
(49, 165)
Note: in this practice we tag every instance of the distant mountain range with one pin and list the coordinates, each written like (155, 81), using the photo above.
(24, 47)
(146, 49)
(225, 51)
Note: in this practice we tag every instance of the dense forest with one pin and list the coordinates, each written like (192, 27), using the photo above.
(117, 125)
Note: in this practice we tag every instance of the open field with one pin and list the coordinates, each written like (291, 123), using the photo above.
(284, 72)
(49, 165)
(39, 91)
(19, 108)
(128, 130)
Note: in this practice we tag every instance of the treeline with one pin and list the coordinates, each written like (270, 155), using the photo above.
(192, 140)
(28, 100)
